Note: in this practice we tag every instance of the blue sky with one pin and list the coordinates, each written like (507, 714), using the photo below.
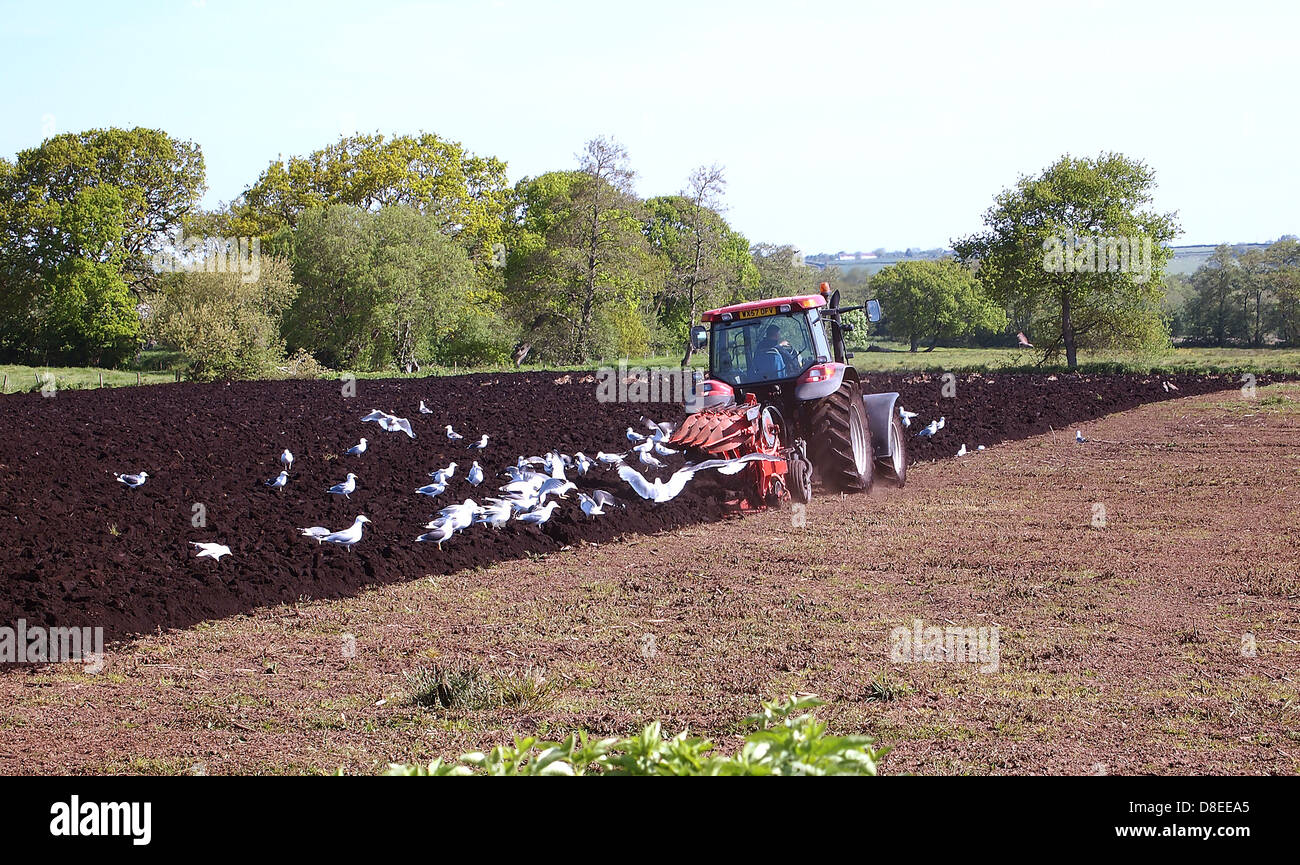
(840, 125)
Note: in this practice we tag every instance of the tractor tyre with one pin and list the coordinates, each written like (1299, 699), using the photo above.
(840, 443)
(798, 477)
(895, 467)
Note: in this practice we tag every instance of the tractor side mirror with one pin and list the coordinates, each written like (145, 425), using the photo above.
(873, 310)
(699, 336)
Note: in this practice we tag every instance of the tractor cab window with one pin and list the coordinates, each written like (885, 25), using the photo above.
(747, 351)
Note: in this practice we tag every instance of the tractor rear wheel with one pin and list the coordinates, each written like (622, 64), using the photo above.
(840, 442)
(895, 466)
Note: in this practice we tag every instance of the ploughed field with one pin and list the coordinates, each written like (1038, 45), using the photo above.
(79, 548)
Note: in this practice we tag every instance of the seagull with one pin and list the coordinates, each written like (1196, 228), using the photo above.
(609, 459)
(1168, 386)
(557, 487)
(583, 462)
(496, 514)
(658, 491)
(732, 466)
(441, 532)
(1078, 436)
(375, 414)
(132, 481)
(346, 488)
(357, 449)
(475, 476)
(459, 516)
(980, 448)
(452, 435)
(317, 532)
(480, 444)
(664, 451)
(278, 481)
(349, 536)
(658, 431)
(432, 490)
(1024, 340)
(539, 515)
(396, 424)
(424, 409)
(441, 476)
(961, 451)
(212, 551)
(589, 506)
(929, 431)
(286, 459)
(634, 437)
(906, 415)
(605, 499)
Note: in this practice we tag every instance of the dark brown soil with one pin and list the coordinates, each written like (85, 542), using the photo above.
(79, 548)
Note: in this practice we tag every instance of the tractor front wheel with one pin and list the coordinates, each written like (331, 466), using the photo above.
(798, 477)
(841, 441)
(896, 466)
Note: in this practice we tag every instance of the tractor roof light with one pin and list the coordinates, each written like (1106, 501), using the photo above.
(726, 316)
(809, 302)
(824, 288)
(785, 307)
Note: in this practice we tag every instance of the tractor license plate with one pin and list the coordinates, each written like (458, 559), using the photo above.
(757, 313)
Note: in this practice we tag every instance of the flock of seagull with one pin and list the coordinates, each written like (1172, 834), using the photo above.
(534, 486)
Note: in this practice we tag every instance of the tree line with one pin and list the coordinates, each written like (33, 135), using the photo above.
(390, 252)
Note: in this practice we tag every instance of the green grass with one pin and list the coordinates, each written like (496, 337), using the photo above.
(893, 358)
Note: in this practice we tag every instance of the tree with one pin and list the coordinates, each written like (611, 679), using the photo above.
(464, 195)
(79, 216)
(1283, 275)
(378, 288)
(580, 257)
(224, 326)
(688, 232)
(1217, 311)
(1078, 251)
(934, 300)
(781, 272)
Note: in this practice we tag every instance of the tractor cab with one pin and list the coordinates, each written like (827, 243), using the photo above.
(766, 341)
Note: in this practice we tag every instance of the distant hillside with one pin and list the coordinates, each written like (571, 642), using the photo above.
(1185, 261)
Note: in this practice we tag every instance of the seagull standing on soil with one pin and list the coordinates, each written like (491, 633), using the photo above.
(441, 532)
(496, 514)
(211, 551)
(475, 476)
(424, 409)
(540, 515)
(345, 488)
(349, 536)
(452, 435)
(357, 449)
(906, 415)
(1078, 436)
(929, 431)
(634, 437)
(441, 476)
(432, 490)
(132, 481)
(589, 506)
(317, 532)
(278, 481)
(961, 451)
(286, 459)
(480, 444)
(609, 459)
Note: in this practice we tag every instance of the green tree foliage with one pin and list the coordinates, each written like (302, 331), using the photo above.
(225, 326)
(1050, 255)
(787, 741)
(934, 300)
(79, 217)
(581, 275)
(463, 195)
(781, 273)
(379, 289)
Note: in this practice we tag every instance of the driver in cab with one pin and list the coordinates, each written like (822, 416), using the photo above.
(774, 356)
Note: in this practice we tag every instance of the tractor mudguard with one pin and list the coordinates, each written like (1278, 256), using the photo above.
(880, 410)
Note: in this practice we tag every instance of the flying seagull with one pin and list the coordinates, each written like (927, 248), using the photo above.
(731, 466)
(346, 488)
(278, 481)
(357, 449)
(212, 551)
(658, 491)
(349, 536)
(132, 481)
(392, 423)
(1024, 340)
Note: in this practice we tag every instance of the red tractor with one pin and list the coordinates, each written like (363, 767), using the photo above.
(779, 383)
